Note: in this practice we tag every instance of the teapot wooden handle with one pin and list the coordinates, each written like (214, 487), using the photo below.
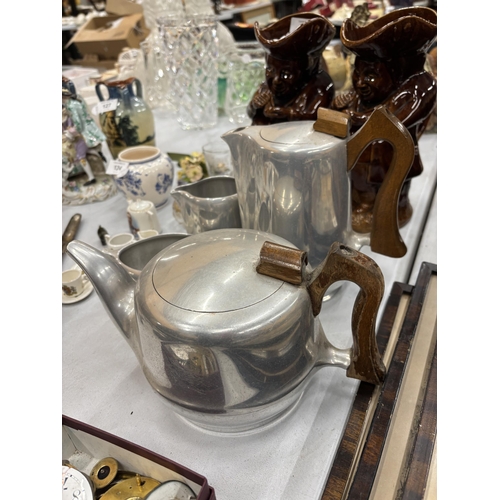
(383, 125)
(341, 263)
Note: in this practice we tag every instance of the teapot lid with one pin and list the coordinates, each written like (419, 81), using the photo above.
(215, 271)
(297, 134)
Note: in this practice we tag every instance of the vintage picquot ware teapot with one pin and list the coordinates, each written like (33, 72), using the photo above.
(224, 323)
(293, 180)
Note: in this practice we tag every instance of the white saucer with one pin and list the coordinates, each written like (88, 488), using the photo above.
(87, 290)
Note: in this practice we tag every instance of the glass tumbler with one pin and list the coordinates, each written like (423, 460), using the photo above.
(191, 54)
(156, 78)
(218, 158)
(246, 71)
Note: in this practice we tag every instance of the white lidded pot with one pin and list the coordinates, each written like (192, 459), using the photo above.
(149, 176)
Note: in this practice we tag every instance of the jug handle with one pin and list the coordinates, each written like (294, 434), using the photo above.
(341, 263)
(138, 88)
(385, 238)
(98, 90)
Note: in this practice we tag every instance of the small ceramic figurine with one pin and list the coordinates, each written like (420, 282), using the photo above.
(296, 82)
(79, 132)
(81, 152)
(74, 146)
(389, 70)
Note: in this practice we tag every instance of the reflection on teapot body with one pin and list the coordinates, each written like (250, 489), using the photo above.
(293, 181)
(224, 323)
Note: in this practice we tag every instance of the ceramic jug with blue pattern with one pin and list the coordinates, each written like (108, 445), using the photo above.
(125, 118)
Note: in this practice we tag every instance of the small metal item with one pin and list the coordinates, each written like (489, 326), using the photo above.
(135, 488)
(76, 485)
(172, 490)
(101, 232)
(104, 472)
(70, 231)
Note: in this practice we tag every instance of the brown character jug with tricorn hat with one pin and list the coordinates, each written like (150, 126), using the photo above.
(297, 82)
(390, 54)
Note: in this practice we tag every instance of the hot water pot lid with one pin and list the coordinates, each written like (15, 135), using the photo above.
(297, 134)
(215, 271)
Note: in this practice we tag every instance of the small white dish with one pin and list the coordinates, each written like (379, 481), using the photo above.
(87, 290)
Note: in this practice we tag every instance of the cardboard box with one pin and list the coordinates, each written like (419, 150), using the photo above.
(102, 38)
(83, 446)
(123, 7)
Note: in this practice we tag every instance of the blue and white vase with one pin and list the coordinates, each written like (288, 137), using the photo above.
(149, 176)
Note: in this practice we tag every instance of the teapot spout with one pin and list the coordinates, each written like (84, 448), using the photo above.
(232, 138)
(114, 286)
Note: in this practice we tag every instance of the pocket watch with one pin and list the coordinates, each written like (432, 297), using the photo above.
(172, 490)
(76, 485)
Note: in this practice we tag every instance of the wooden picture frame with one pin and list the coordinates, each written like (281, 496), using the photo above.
(388, 449)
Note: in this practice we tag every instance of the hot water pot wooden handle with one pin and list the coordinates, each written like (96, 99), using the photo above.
(341, 263)
(382, 125)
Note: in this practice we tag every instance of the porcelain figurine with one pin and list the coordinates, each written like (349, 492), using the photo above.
(83, 165)
(79, 134)
(296, 81)
(389, 70)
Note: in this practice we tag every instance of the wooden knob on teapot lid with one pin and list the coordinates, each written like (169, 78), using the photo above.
(333, 122)
(282, 262)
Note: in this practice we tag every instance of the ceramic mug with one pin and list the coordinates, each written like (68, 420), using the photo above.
(118, 241)
(142, 216)
(73, 282)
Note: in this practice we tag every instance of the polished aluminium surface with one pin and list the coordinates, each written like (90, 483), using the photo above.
(292, 181)
(135, 256)
(208, 204)
(230, 349)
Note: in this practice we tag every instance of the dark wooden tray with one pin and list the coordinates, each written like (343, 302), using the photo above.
(388, 447)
